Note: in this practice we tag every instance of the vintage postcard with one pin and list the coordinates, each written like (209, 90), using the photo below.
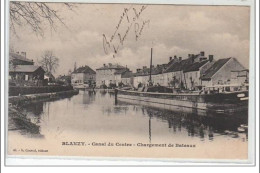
(146, 81)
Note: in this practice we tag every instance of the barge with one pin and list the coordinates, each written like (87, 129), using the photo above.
(225, 102)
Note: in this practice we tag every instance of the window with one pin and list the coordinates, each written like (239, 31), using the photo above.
(26, 77)
(220, 82)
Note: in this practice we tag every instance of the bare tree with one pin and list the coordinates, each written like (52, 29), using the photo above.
(35, 14)
(49, 62)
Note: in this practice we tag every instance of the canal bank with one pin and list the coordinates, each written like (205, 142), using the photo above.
(24, 99)
(97, 89)
(18, 120)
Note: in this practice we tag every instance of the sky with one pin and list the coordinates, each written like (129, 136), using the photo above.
(222, 31)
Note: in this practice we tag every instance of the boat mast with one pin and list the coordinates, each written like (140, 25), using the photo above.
(150, 77)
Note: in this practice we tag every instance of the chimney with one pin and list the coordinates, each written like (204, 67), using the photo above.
(23, 54)
(189, 55)
(211, 58)
(109, 64)
(202, 53)
(192, 58)
(104, 65)
(170, 58)
(18, 52)
(180, 58)
(175, 57)
(138, 70)
(144, 67)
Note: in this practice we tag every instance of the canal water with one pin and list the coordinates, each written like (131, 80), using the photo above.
(93, 124)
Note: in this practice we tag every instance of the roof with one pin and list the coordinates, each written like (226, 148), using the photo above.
(24, 68)
(214, 68)
(178, 66)
(13, 55)
(192, 63)
(84, 69)
(111, 66)
(64, 77)
(195, 66)
(127, 74)
(158, 69)
(121, 71)
(155, 70)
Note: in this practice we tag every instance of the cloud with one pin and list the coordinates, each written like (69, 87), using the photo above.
(173, 30)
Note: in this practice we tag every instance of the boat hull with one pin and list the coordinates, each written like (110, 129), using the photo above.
(217, 103)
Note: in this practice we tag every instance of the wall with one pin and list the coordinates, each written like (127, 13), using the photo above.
(169, 78)
(140, 79)
(77, 78)
(87, 77)
(128, 81)
(158, 79)
(239, 77)
(105, 76)
(118, 79)
(206, 83)
(192, 79)
(223, 76)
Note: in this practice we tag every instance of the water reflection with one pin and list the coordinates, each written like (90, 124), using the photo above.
(88, 97)
(102, 104)
(200, 126)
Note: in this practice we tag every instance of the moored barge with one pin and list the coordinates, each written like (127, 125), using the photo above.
(211, 100)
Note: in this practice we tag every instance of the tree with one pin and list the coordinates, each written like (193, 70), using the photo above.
(49, 62)
(35, 15)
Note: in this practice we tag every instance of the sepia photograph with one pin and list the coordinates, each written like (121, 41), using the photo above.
(128, 80)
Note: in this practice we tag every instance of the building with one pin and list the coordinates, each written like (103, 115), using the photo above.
(220, 73)
(141, 76)
(123, 76)
(49, 77)
(240, 76)
(64, 80)
(109, 74)
(118, 75)
(128, 78)
(177, 73)
(19, 59)
(83, 75)
(158, 75)
(174, 76)
(194, 71)
(27, 74)
(186, 73)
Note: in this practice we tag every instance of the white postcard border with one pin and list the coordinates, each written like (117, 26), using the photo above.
(10, 160)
